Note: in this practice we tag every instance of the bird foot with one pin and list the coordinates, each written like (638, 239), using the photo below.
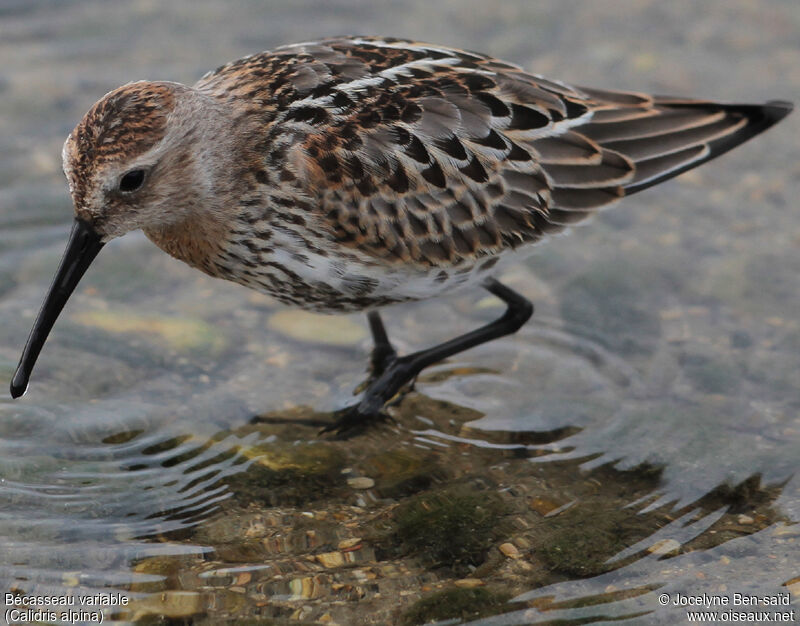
(352, 420)
(396, 373)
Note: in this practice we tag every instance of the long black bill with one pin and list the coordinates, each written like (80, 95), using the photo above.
(83, 245)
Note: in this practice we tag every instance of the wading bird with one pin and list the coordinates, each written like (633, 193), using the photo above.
(352, 173)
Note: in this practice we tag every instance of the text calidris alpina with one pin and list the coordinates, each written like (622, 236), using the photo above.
(352, 173)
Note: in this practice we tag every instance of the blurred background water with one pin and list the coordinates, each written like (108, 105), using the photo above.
(639, 436)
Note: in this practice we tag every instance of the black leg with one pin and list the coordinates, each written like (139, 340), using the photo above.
(383, 352)
(398, 371)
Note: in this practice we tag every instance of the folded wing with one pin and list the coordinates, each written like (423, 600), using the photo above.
(438, 157)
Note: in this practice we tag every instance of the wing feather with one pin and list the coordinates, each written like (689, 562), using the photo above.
(436, 157)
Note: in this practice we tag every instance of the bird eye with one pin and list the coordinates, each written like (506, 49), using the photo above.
(131, 181)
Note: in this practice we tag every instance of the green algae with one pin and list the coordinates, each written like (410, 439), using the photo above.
(456, 603)
(289, 474)
(452, 527)
(402, 472)
(580, 541)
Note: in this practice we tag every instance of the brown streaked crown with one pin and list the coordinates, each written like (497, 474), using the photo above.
(123, 124)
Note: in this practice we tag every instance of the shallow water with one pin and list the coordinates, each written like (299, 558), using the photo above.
(638, 437)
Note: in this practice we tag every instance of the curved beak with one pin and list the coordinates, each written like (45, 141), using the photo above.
(83, 245)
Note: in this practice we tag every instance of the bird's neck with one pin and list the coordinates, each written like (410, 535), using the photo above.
(197, 212)
(198, 241)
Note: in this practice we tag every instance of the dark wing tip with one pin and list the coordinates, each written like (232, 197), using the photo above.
(776, 110)
(759, 118)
